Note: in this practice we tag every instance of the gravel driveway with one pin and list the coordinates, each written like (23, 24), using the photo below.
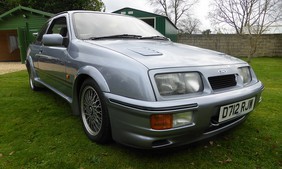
(8, 67)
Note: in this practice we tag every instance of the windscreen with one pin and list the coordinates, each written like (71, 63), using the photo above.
(89, 25)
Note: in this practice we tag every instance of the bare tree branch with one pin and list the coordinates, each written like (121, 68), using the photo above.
(241, 14)
(253, 17)
(189, 25)
(173, 9)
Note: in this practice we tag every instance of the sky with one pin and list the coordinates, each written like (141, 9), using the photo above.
(200, 11)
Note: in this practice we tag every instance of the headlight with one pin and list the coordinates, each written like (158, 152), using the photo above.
(245, 75)
(178, 83)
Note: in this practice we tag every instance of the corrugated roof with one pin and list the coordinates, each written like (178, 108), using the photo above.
(8, 13)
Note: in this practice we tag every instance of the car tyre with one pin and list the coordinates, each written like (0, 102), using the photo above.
(94, 112)
(32, 83)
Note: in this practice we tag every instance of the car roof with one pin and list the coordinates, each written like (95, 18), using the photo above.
(87, 11)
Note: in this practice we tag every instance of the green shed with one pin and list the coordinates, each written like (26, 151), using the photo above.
(159, 22)
(16, 28)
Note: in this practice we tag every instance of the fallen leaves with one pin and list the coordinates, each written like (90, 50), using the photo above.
(211, 143)
(228, 160)
(11, 153)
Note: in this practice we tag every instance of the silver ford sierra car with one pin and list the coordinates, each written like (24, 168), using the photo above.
(131, 84)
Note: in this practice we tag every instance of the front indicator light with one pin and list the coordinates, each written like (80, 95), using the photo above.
(161, 121)
(168, 121)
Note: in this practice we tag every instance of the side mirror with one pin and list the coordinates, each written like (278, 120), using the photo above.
(52, 40)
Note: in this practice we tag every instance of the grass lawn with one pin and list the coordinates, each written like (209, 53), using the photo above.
(37, 130)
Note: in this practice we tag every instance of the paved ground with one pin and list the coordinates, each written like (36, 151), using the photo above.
(8, 67)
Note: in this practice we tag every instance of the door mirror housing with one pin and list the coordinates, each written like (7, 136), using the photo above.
(52, 40)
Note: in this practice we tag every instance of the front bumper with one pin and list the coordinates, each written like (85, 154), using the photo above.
(130, 119)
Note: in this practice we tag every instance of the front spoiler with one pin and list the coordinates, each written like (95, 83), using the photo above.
(130, 118)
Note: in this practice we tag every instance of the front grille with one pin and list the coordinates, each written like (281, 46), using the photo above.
(220, 82)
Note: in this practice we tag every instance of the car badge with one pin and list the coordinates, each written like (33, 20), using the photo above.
(222, 71)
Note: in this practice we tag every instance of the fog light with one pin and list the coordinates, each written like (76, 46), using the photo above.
(168, 121)
(161, 121)
(182, 119)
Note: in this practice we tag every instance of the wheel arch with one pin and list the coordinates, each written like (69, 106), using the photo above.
(29, 64)
(83, 74)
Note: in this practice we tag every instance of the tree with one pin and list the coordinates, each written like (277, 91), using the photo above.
(252, 17)
(206, 32)
(189, 25)
(173, 9)
(53, 6)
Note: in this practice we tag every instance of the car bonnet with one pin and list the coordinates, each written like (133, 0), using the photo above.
(164, 54)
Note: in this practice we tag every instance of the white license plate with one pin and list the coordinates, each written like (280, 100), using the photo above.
(236, 109)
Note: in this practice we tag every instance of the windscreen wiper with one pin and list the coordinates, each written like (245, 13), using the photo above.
(116, 37)
(155, 37)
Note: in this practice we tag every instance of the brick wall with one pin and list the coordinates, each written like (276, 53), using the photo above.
(236, 45)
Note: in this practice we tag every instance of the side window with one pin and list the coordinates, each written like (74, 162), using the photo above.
(41, 33)
(59, 26)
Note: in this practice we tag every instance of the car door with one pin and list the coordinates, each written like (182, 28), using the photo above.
(36, 46)
(52, 59)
